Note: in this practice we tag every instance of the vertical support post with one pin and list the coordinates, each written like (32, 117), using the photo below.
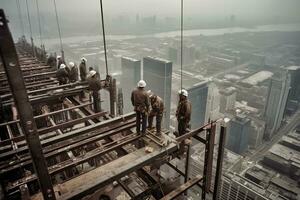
(15, 79)
(209, 152)
(187, 161)
(219, 162)
(112, 96)
(120, 101)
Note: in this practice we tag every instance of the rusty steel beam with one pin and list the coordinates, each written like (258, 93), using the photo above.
(69, 123)
(217, 186)
(208, 159)
(48, 114)
(181, 189)
(16, 81)
(93, 129)
(61, 146)
(47, 89)
(79, 160)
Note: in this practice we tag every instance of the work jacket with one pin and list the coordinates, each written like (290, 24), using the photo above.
(62, 75)
(82, 70)
(94, 83)
(157, 105)
(73, 74)
(140, 100)
(184, 110)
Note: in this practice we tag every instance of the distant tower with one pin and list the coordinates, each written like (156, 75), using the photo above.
(294, 94)
(158, 76)
(238, 134)
(131, 74)
(276, 102)
(198, 95)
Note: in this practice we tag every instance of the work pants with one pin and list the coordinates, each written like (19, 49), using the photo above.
(158, 121)
(182, 126)
(141, 118)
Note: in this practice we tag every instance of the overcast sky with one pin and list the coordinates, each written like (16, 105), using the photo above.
(243, 8)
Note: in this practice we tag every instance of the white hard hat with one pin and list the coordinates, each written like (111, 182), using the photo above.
(141, 84)
(92, 72)
(62, 66)
(183, 92)
(83, 59)
(71, 64)
(58, 57)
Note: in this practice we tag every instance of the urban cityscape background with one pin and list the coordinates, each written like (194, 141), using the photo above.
(241, 60)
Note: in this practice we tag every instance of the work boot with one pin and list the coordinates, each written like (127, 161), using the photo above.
(158, 133)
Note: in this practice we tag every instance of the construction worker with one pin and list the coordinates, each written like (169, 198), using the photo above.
(157, 109)
(73, 73)
(82, 69)
(140, 101)
(51, 61)
(62, 75)
(94, 86)
(59, 61)
(183, 112)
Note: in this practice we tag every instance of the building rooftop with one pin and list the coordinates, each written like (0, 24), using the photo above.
(258, 77)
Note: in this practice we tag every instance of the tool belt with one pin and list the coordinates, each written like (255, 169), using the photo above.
(140, 108)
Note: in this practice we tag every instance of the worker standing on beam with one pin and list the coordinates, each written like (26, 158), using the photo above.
(94, 82)
(183, 112)
(157, 109)
(62, 75)
(140, 101)
(82, 71)
(73, 73)
(59, 61)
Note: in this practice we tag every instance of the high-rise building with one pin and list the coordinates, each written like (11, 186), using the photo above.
(276, 102)
(198, 95)
(227, 99)
(131, 74)
(158, 76)
(237, 187)
(238, 134)
(294, 94)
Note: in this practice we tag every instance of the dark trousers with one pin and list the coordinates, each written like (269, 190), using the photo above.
(182, 126)
(96, 100)
(158, 121)
(141, 116)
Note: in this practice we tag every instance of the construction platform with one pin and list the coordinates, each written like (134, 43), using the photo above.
(59, 148)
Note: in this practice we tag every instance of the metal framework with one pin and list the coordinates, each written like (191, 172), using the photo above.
(74, 143)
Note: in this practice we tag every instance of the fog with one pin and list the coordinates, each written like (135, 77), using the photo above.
(79, 17)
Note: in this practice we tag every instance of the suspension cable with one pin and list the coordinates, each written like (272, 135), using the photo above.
(39, 21)
(29, 22)
(58, 27)
(103, 34)
(20, 17)
(181, 43)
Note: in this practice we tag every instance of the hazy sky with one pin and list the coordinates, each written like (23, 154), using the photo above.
(244, 8)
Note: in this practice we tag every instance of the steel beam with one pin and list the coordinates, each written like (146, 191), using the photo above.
(14, 75)
(175, 193)
(218, 176)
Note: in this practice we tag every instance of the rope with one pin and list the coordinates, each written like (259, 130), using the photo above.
(103, 34)
(20, 17)
(29, 22)
(39, 21)
(58, 27)
(181, 43)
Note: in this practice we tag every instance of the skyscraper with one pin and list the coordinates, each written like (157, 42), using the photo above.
(158, 76)
(294, 94)
(131, 74)
(238, 134)
(276, 102)
(198, 94)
